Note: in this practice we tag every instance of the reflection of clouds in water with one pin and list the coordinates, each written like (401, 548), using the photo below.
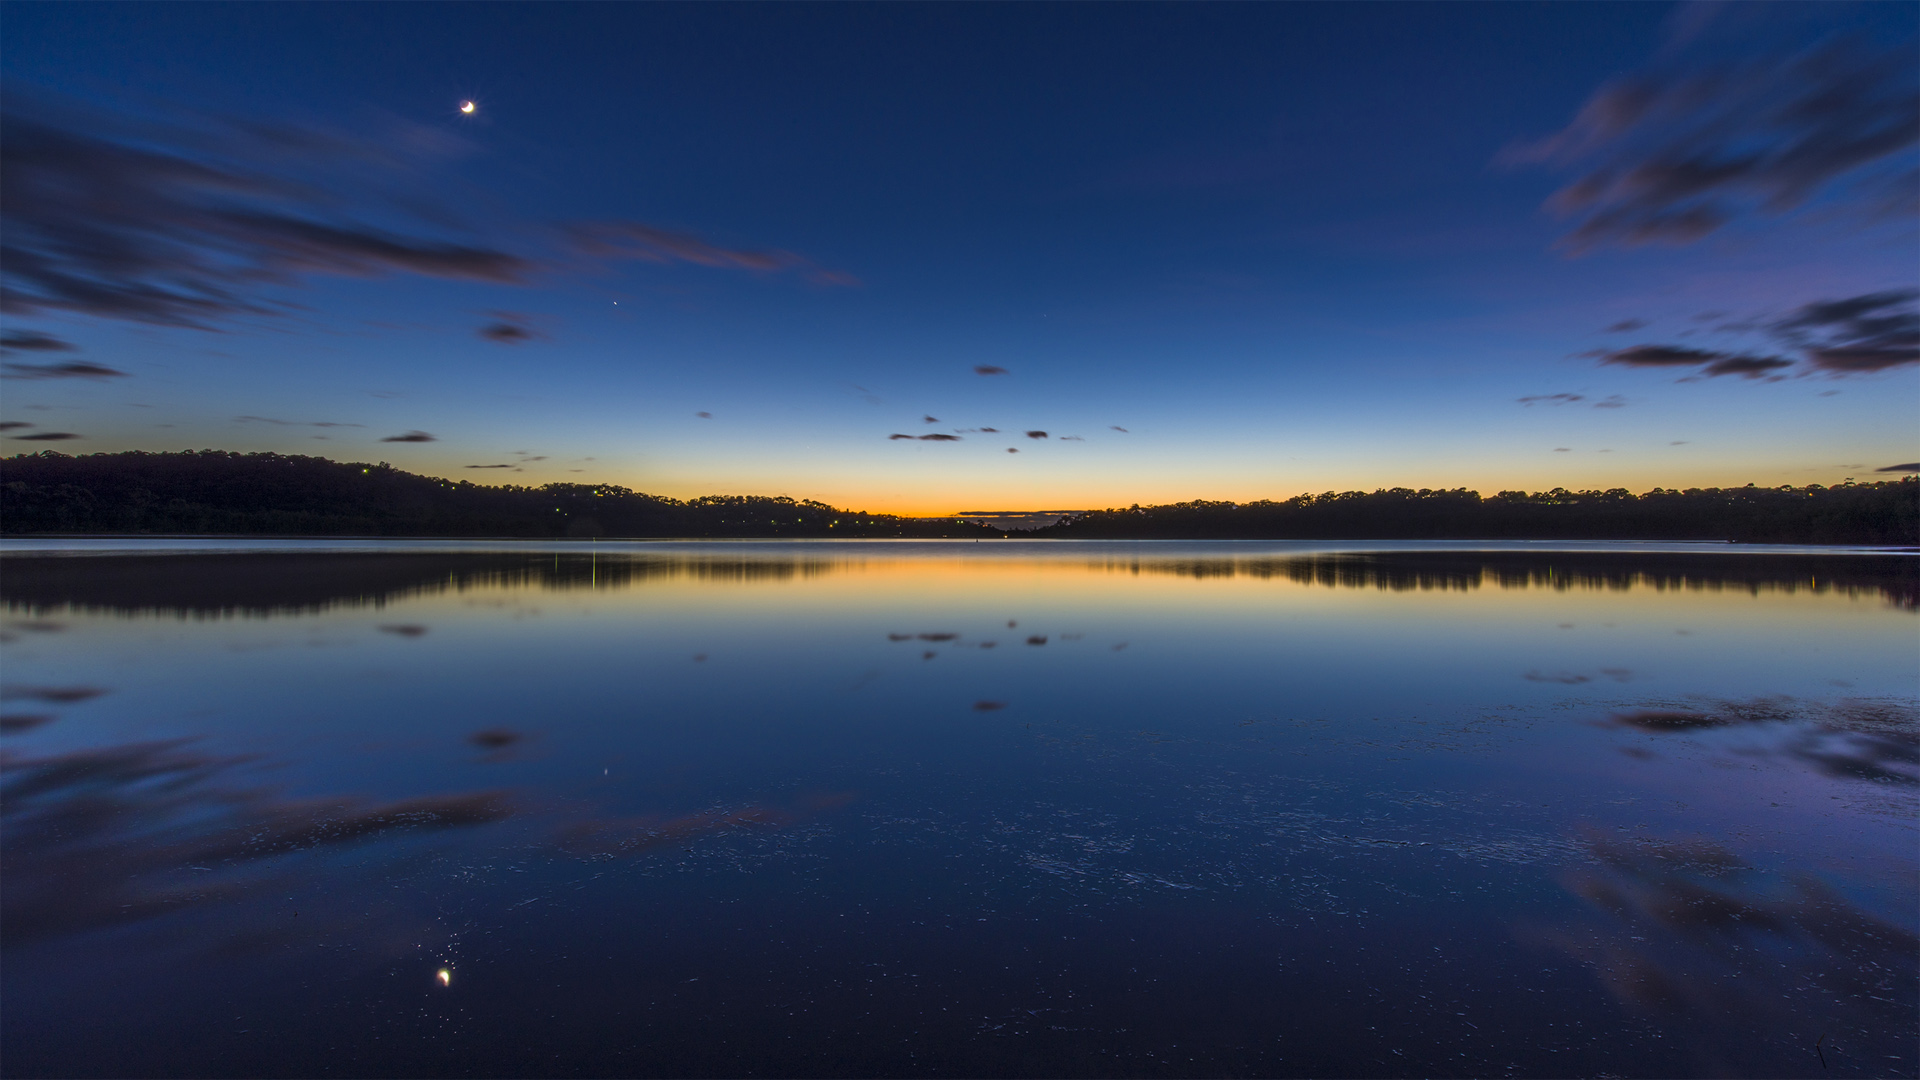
(108, 836)
(103, 836)
(1856, 739)
(1699, 938)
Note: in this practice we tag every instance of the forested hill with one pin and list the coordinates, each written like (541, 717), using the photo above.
(213, 491)
(1885, 512)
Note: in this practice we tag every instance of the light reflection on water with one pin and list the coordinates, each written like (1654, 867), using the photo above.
(985, 809)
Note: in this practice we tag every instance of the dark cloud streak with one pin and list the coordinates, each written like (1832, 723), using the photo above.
(1672, 155)
(72, 369)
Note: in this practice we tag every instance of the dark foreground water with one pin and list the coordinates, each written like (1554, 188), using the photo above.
(1003, 809)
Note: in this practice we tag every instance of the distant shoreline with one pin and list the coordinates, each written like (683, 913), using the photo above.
(218, 493)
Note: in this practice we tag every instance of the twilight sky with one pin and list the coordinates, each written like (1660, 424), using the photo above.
(1223, 252)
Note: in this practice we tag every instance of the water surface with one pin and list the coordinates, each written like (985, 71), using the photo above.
(957, 809)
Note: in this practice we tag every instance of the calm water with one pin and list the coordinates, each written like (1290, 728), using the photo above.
(958, 809)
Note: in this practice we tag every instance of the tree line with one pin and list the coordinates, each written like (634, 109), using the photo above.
(1882, 512)
(216, 491)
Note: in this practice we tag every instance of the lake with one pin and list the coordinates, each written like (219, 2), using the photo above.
(316, 808)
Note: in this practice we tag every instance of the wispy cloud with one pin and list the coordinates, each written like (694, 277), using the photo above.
(193, 221)
(988, 369)
(1851, 336)
(47, 436)
(615, 240)
(73, 369)
(33, 341)
(1674, 152)
(411, 436)
(180, 227)
(1905, 466)
(1865, 333)
(291, 423)
(1707, 361)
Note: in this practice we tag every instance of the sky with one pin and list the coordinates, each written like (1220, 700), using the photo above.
(930, 258)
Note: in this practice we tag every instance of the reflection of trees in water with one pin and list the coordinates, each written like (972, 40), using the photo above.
(282, 584)
(1893, 577)
(101, 837)
(1720, 950)
(278, 583)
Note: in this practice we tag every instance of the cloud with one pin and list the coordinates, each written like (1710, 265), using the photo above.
(1563, 449)
(1850, 336)
(988, 369)
(1672, 155)
(1867, 333)
(1013, 449)
(72, 369)
(33, 341)
(1905, 466)
(994, 431)
(505, 333)
(649, 243)
(1660, 356)
(411, 436)
(939, 438)
(1118, 428)
(1751, 367)
(1550, 399)
(1624, 325)
(1072, 438)
(177, 227)
(494, 467)
(291, 423)
(704, 415)
(47, 436)
(1611, 401)
(930, 419)
(1710, 363)
(1563, 677)
(1036, 434)
(14, 425)
(194, 221)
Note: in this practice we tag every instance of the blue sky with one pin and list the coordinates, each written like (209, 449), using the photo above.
(1286, 247)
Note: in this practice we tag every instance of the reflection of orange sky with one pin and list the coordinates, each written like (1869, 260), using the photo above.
(992, 588)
